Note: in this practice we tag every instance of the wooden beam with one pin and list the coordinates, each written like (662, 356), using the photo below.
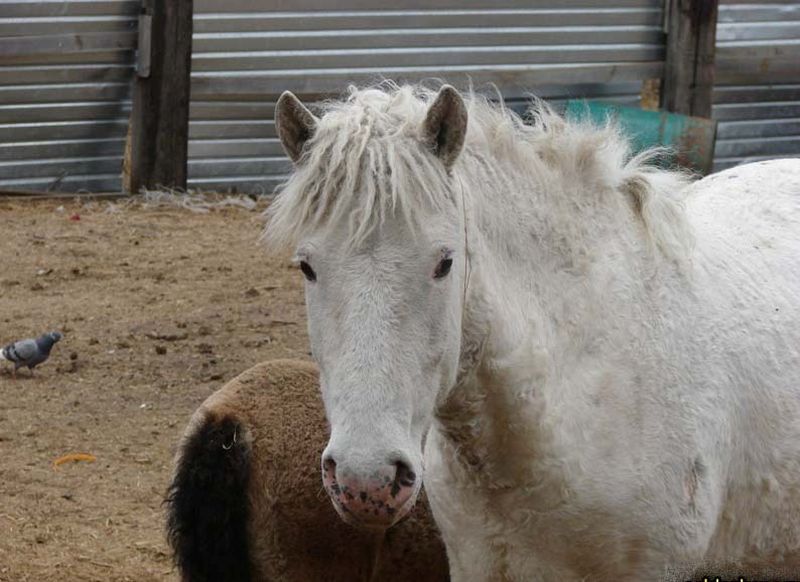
(159, 133)
(689, 69)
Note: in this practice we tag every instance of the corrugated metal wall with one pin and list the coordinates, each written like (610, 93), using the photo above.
(66, 68)
(757, 93)
(65, 71)
(247, 51)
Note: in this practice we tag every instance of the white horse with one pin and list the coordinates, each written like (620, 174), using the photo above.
(594, 364)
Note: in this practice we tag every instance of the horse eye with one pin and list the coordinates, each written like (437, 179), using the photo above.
(443, 268)
(308, 271)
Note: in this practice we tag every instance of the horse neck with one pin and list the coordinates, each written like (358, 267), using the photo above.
(534, 303)
(546, 253)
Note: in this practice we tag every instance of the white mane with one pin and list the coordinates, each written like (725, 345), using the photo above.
(365, 161)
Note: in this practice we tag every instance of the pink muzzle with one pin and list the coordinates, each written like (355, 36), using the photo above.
(379, 500)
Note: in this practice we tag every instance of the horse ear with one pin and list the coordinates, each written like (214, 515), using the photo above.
(294, 123)
(445, 126)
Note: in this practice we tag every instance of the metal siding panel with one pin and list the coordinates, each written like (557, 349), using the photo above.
(48, 26)
(757, 111)
(263, 185)
(48, 112)
(756, 93)
(43, 74)
(761, 128)
(62, 149)
(756, 13)
(316, 62)
(67, 59)
(91, 183)
(231, 110)
(740, 71)
(553, 92)
(66, 111)
(56, 167)
(758, 146)
(64, 92)
(230, 129)
(775, 3)
(759, 49)
(207, 148)
(757, 98)
(60, 8)
(222, 167)
(67, 43)
(513, 77)
(758, 43)
(752, 31)
(246, 52)
(461, 39)
(12, 133)
(268, 21)
(300, 6)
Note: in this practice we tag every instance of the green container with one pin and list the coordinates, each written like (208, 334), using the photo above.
(691, 139)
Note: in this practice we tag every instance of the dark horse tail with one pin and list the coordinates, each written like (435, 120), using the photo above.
(207, 502)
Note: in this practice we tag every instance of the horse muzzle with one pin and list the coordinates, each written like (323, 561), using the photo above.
(371, 499)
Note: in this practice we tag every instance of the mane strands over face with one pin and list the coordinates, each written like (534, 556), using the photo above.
(366, 161)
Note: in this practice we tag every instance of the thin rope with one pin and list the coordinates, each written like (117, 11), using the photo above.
(375, 550)
(467, 275)
(467, 270)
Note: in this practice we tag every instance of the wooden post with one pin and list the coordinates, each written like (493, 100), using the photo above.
(689, 70)
(159, 132)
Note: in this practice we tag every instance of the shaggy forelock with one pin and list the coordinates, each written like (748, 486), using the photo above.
(364, 163)
(367, 162)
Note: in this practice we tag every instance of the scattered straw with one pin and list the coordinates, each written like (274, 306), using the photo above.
(196, 201)
(201, 202)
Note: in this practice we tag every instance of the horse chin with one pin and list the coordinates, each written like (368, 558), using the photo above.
(377, 523)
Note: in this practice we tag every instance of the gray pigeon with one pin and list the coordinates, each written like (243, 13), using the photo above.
(30, 352)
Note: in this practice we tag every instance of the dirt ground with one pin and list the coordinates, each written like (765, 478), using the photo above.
(159, 307)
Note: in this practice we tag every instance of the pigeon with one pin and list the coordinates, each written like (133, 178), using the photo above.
(30, 352)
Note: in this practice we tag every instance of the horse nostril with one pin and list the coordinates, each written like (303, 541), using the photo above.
(404, 476)
(329, 466)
